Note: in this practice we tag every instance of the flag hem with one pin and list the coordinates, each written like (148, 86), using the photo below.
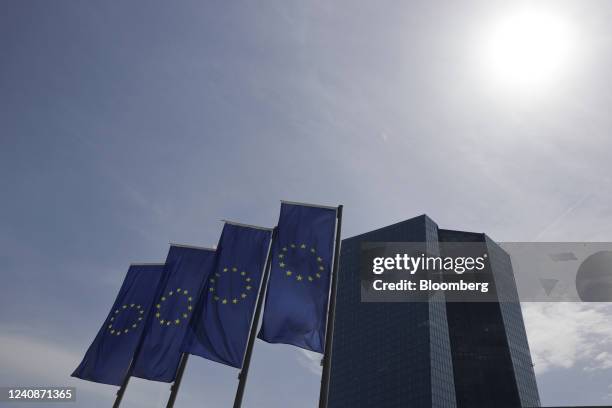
(329, 207)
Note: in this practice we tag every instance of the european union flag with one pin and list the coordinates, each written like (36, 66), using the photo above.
(186, 270)
(220, 330)
(298, 289)
(108, 358)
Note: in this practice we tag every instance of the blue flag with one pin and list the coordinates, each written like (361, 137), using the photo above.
(298, 290)
(108, 358)
(186, 270)
(220, 330)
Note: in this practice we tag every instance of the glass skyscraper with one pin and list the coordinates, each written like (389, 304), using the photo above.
(428, 354)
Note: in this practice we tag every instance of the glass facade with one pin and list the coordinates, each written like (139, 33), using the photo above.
(389, 354)
(512, 318)
(432, 354)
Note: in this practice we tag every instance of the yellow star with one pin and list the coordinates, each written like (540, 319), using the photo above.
(212, 280)
(132, 305)
(281, 256)
(158, 305)
(184, 315)
(282, 265)
(248, 279)
(235, 301)
(110, 326)
(299, 277)
(310, 278)
(211, 289)
(185, 292)
(134, 326)
(234, 269)
(189, 298)
(285, 249)
(243, 273)
(224, 269)
(312, 250)
(189, 307)
(319, 259)
(177, 321)
(140, 318)
(163, 298)
(112, 318)
(224, 301)
(289, 273)
(292, 245)
(178, 290)
(217, 275)
(137, 306)
(112, 332)
(248, 287)
(116, 311)
(157, 314)
(171, 293)
(162, 321)
(321, 268)
(124, 306)
(125, 331)
(318, 275)
(243, 295)
(216, 297)
(303, 246)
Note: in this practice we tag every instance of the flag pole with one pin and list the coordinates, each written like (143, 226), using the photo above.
(122, 388)
(177, 381)
(331, 315)
(242, 376)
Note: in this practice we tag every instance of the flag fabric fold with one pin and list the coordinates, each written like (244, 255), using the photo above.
(108, 358)
(186, 270)
(297, 297)
(219, 329)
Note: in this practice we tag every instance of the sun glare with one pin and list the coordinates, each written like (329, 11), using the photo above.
(528, 49)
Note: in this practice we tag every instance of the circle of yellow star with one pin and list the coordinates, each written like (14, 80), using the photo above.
(182, 293)
(214, 286)
(310, 276)
(111, 327)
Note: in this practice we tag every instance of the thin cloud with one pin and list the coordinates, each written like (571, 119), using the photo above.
(566, 335)
(36, 362)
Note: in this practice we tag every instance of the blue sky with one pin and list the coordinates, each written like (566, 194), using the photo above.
(129, 125)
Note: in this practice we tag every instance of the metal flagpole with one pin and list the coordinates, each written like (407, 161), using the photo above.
(242, 376)
(177, 381)
(331, 314)
(124, 385)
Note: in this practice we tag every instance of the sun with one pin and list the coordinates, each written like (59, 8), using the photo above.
(528, 49)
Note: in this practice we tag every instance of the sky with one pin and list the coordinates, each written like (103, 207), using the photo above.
(128, 125)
